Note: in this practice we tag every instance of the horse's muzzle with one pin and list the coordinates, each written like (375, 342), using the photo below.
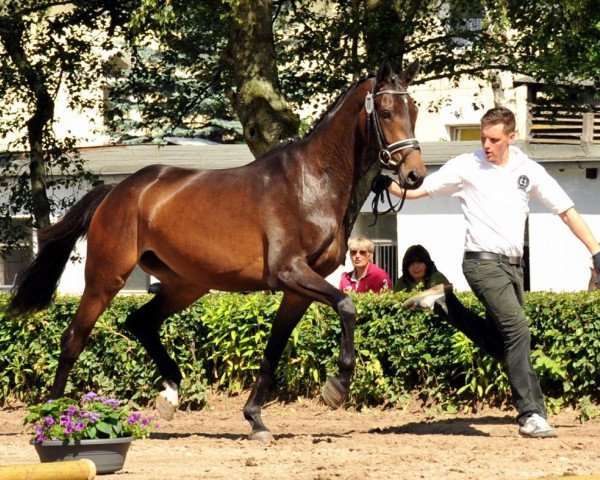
(412, 170)
(412, 180)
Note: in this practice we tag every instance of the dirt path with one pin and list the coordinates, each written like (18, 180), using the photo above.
(315, 443)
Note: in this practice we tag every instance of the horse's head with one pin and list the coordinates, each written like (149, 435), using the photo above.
(393, 114)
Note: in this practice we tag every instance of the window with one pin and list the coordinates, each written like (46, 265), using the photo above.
(464, 19)
(386, 256)
(464, 132)
(17, 260)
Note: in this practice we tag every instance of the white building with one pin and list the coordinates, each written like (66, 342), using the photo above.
(557, 261)
(567, 145)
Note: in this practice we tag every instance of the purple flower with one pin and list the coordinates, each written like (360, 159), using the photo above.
(90, 397)
(133, 418)
(93, 417)
(79, 426)
(111, 402)
(67, 421)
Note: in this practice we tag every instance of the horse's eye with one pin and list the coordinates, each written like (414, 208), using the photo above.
(386, 114)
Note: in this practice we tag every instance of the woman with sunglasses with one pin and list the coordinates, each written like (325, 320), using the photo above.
(366, 276)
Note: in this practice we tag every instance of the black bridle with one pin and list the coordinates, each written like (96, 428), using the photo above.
(386, 151)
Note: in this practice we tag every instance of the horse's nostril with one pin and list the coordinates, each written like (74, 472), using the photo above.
(412, 177)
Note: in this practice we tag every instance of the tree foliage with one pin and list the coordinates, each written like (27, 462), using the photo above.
(233, 70)
(560, 40)
(47, 49)
(321, 46)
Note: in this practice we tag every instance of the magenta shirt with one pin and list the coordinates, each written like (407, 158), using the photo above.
(374, 280)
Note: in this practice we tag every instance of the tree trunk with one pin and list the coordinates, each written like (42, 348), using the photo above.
(11, 36)
(258, 102)
(500, 81)
(35, 126)
(387, 25)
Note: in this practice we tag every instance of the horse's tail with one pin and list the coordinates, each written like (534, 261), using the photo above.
(36, 283)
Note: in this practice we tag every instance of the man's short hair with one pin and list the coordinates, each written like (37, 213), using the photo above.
(502, 115)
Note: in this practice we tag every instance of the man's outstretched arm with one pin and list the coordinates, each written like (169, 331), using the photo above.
(397, 190)
(581, 230)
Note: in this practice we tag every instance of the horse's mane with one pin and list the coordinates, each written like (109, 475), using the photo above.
(325, 113)
(337, 101)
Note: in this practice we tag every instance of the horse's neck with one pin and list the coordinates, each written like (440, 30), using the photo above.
(339, 157)
(360, 190)
(336, 146)
(348, 160)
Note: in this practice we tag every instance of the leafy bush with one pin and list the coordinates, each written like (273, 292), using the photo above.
(218, 343)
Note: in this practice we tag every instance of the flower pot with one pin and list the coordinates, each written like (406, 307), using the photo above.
(107, 453)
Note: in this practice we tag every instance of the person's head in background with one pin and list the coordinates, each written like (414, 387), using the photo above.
(361, 252)
(417, 264)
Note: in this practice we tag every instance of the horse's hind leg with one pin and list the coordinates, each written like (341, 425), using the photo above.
(144, 324)
(74, 338)
(289, 314)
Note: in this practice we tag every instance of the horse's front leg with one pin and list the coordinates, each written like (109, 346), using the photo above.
(306, 282)
(289, 314)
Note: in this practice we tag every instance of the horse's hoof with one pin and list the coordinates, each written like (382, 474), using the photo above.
(263, 436)
(166, 409)
(333, 394)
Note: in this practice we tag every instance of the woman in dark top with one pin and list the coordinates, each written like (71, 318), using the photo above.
(418, 271)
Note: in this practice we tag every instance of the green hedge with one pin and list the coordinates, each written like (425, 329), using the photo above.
(218, 343)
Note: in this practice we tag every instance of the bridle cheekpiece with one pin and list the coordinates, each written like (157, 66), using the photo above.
(386, 151)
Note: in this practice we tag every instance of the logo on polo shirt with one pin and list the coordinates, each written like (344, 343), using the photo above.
(523, 182)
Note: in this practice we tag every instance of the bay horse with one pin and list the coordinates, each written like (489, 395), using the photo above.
(280, 222)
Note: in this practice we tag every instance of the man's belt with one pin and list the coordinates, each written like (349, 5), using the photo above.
(493, 256)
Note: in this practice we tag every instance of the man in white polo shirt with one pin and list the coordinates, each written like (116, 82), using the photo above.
(494, 186)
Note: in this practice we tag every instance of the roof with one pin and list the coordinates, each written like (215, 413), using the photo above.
(437, 153)
(571, 82)
(126, 159)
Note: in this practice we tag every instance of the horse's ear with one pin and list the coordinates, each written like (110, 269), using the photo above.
(384, 72)
(410, 72)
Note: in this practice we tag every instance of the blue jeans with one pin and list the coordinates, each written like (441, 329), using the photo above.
(504, 332)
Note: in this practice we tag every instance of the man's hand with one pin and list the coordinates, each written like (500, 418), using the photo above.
(381, 183)
(596, 259)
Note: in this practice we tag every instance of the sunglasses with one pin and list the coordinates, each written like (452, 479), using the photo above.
(362, 253)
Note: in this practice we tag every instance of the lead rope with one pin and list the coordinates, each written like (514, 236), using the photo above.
(381, 197)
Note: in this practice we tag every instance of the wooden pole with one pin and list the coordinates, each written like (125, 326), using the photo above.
(83, 469)
(587, 129)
